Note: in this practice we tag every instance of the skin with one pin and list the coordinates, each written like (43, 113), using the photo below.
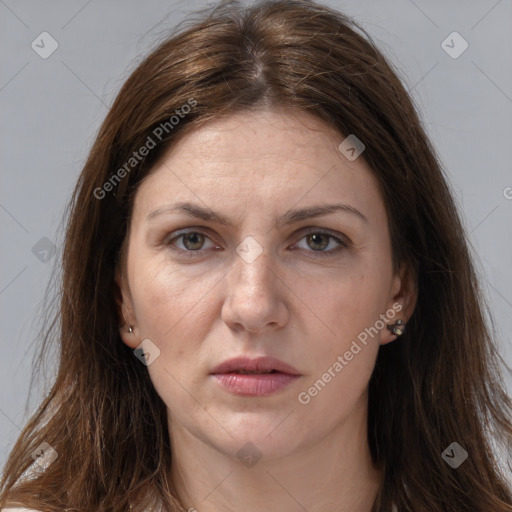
(290, 303)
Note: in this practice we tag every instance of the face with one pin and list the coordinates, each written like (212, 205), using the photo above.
(255, 278)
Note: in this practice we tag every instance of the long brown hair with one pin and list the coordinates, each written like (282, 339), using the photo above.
(438, 384)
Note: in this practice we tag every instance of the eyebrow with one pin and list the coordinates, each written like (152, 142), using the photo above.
(290, 217)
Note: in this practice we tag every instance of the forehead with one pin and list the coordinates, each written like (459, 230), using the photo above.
(279, 134)
(265, 158)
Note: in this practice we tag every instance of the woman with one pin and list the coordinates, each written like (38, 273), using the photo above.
(262, 199)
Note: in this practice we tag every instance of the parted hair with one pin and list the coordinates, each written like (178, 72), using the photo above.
(438, 383)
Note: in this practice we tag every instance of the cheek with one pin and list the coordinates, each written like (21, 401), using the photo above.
(347, 312)
(349, 301)
(172, 308)
(342, 360)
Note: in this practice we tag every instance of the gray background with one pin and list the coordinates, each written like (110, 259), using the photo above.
(51, 109)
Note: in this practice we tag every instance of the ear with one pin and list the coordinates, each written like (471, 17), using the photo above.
(402, 301)
(126, 315)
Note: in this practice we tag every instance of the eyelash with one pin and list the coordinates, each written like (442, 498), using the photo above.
(311, 231)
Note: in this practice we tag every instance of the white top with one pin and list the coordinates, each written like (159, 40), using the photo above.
(18, 510)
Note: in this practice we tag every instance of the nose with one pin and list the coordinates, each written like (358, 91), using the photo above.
(255, 296)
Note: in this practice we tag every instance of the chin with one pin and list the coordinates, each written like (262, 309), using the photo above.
(265, 437)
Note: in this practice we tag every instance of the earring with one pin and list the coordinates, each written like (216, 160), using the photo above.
(397, 328)
(130, 330)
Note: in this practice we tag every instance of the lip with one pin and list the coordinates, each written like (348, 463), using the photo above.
(258, 384)
(260, 364)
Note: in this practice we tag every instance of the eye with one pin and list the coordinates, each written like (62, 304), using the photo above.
(192, 241)
(318, 241)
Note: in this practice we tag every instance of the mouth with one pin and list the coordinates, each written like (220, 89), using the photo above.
(247, 372)
(254, 377)
(259, 365)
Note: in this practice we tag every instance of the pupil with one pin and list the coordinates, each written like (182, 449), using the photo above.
(315, 240)
(192, 236)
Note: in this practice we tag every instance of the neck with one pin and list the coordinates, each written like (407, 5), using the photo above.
(334, 474)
